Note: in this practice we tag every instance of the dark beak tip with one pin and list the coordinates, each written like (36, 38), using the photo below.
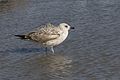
(72, 28)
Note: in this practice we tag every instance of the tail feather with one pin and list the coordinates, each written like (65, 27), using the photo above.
(21, 36)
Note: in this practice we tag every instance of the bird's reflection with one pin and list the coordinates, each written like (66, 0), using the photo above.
(51, 65)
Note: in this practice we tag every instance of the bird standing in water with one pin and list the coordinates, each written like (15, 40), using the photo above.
(48, 35)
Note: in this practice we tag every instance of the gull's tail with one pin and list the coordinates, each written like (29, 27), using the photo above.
(21, 36)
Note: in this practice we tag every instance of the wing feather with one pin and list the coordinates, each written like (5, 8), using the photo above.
(45, 34)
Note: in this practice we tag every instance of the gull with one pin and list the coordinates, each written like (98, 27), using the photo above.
(48, 35)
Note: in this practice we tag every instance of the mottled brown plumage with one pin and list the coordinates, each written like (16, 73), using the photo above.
(48, 35)
(44, 34)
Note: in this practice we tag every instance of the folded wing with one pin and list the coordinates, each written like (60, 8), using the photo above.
(44, 34)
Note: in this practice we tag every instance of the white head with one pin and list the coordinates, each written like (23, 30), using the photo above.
(65, 26)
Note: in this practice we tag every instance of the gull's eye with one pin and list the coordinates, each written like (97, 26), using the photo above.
(66, 26)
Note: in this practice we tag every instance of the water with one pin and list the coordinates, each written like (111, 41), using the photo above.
(91, 52)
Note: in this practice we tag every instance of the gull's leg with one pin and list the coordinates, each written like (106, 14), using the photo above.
(52, 49)
(46, 50)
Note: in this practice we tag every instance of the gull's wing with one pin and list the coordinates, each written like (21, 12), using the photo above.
(45, 34)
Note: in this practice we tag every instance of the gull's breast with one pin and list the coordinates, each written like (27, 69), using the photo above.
(59, 40)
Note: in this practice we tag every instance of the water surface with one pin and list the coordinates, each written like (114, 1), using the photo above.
(91, 51)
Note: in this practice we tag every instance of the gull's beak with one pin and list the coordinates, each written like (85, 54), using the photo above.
(72, 28)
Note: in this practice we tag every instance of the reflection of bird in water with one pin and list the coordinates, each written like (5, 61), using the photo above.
(51, 65)
(49, 35)
(58, 62)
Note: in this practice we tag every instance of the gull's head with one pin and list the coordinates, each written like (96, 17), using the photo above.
(65, 26)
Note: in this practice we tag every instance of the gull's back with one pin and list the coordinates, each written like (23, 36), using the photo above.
(46, 33)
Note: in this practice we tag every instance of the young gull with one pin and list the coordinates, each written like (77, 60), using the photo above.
(48, 35)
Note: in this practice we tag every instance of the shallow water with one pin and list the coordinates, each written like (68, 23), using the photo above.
(91, 51)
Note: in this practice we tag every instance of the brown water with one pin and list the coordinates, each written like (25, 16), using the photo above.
(91, 51)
